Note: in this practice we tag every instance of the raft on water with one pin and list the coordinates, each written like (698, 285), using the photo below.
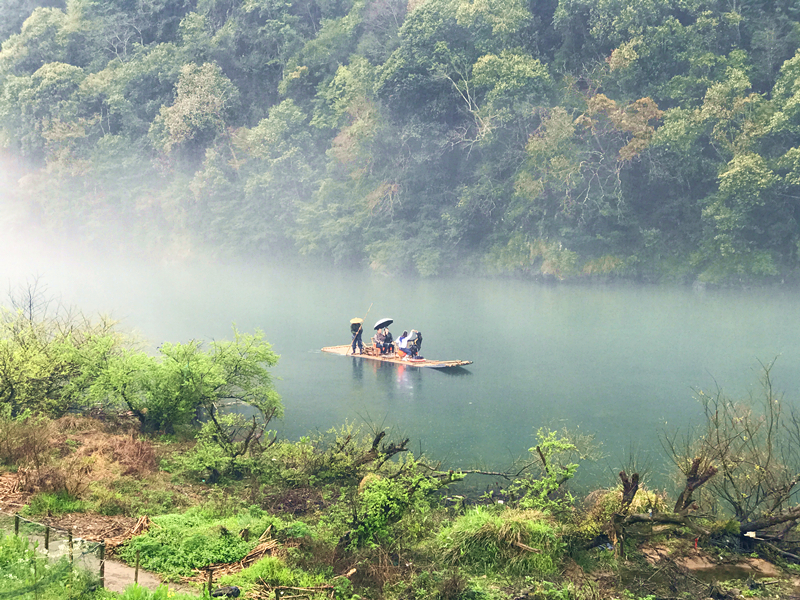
(371, 353)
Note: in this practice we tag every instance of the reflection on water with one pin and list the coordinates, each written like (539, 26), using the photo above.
(358, 371)
(454, 371)
(397, 380)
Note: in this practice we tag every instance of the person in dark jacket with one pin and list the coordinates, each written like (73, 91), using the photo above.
(383, 341)
(356, 329)
(414, 344)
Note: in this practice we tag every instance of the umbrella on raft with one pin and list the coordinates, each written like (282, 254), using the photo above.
(383, 323)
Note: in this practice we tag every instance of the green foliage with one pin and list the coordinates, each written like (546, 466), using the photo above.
(29, 575)
(188, 380)
(50, 360)
(419, 137)
(179, 543)
(491, 540)
(138, 592)
(205, 100)
(544, 492)
(381, 503)
(53, 504)
(275, 572)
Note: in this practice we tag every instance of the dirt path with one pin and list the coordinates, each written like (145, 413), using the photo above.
(118, 576)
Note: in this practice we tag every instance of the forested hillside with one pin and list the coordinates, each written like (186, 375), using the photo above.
(654, 139)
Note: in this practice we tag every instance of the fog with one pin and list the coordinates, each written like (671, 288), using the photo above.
(619, 361)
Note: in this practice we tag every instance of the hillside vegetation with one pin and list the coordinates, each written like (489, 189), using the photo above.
(654, 139)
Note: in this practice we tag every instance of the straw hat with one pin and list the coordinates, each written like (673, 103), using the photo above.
(356, 320)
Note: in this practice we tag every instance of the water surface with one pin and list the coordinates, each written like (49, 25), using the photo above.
(619, 361)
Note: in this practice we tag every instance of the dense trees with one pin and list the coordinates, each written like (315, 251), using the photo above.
(562, 138)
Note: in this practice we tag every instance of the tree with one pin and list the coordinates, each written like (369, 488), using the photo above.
(204, 103)
(749, 449)
(51, 357)
(39, 42)
(187, 383)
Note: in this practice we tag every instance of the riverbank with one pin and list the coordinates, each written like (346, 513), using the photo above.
(350, 514)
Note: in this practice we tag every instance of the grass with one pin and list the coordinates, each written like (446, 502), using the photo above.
(138, 592)
(514, 542)
(179, 543)
(50, 504)
(276, 573)
(25, 574)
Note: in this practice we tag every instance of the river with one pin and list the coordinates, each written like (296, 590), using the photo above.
(619, 361)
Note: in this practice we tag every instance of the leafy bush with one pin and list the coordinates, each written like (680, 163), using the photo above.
(53, 504)
(544, 490)
(177, 544)
(503, 540)
(28, 575)
(338, 455)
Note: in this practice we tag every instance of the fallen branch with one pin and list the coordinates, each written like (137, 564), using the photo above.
(789, 514)
(526, 547)
(782, 552)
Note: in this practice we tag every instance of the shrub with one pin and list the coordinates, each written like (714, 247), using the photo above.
(544, 490)
(601, 505)
(25, 439)
(51, 504)
(177, 544)
(28, 575)
(507, 540)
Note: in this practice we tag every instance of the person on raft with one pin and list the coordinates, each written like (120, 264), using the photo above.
(414, 344)
(408, 345)
(383, 341)
(402, 343)
(356, 329)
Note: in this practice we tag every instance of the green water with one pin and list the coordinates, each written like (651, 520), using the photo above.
(619, 361)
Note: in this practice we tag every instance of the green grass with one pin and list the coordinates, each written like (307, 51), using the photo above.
(25, 574)
(46, 503)
(137, 592)
(274, 572)
(491, 540)
(177, 544)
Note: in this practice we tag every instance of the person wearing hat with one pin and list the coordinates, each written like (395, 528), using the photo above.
(356, 329)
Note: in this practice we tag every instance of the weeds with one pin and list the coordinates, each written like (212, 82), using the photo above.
(27, 575)
(510, 541)
(52, 504)
(178, 544)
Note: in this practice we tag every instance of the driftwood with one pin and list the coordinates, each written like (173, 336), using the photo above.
(790, 514)
(142, 525)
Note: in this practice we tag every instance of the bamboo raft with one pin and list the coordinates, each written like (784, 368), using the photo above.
(371, 353)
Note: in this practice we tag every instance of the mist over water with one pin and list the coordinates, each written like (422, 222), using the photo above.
(618, 361)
